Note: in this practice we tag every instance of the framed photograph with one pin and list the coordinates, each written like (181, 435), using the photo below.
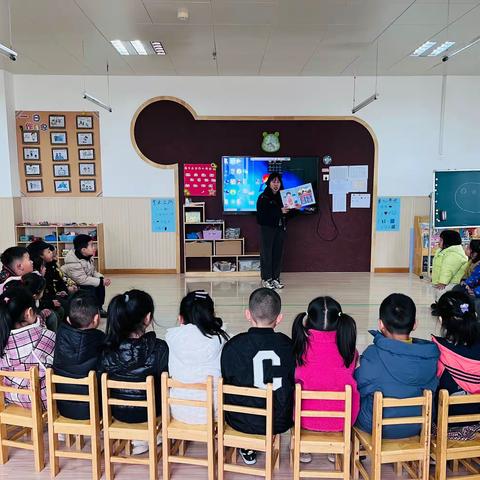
(62, 186)
(86, 154)
(33, 169)
(58, 138)
(84, 138)
(86, 169)
(30, 136)
(59, 154)
(34, 186)
(62, 170)
(87, 186)
(56, 121)
(31, 153)
(85, 121)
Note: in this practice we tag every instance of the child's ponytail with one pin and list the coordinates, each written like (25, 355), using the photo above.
(299, 338)
(346, 338)
(13, 304)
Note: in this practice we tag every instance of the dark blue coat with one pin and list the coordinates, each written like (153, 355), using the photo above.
(399, 370)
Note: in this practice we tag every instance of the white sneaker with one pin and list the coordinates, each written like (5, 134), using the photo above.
(267, 284)
(305, 457)
(277, 285)
(331, 457)
(140, 446)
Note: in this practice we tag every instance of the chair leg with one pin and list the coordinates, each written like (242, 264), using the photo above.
(276, 450)
(3, 448)
(182, 448)
(108, 445)
(68, 441)
(38, 446)
(455, 466)
(165, 455)
(153, 456)
(398, 469)
(53, 446)
(295, 454)
(79, 442)
(220, 457)
(269, 464)
(376, 473)
(211, 459)
(355, 457)
(96, 456)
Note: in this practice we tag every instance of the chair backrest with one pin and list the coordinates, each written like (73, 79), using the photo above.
(231, 390)
(108, 401)
(345, 413)
(424, 402)
(168, 400)
(91, 397)
(444, 419)
(33, 392)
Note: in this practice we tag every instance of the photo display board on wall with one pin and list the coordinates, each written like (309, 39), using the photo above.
(59, 153)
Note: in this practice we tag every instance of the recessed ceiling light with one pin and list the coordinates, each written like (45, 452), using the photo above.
(440, 49)
(423, 48)
(138, 46)
(158, 48)
(120, 47)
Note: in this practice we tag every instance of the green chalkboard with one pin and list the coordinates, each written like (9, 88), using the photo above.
(457, 198)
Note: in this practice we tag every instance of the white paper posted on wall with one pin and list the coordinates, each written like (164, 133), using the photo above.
(346, 179)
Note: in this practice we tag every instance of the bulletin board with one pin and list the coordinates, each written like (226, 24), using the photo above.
(59, 154)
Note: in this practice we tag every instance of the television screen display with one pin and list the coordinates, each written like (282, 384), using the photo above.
(244, 179)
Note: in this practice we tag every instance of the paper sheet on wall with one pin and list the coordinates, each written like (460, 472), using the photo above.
(339, 173)
(359, 172)
(360, 200)
(339, 202)
(163, 215)
(388, 214)
(339, 186)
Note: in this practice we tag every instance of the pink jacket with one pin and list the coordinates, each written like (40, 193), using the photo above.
(325, 371)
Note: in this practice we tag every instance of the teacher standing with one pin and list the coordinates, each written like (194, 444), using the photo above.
(271, 216)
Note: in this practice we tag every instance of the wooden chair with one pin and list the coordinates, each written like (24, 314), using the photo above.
(398, 451)
(117, 435)
(232, 439)
(57, 424)
(308, 441)
(465, 452)
(174, 433)
(24, 420)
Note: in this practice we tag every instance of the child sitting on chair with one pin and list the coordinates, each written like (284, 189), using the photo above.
(256, 358)
(397, 365)
(77, 351)
(15, 263)
(24, 342)
(194, 350)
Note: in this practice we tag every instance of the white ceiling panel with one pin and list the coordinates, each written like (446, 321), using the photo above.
(165, 13)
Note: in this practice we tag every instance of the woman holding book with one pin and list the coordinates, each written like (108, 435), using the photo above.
(271, 216)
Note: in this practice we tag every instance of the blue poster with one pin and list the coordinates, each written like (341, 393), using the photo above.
(388, 214)
(163, 215)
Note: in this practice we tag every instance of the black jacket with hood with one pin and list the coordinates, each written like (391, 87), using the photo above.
(133, 361)
(269, 209)
(76, 353)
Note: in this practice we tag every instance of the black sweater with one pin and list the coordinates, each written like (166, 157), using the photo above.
(269, 209)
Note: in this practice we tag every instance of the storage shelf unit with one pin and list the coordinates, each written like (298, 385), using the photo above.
(40, 231)
(200, 254)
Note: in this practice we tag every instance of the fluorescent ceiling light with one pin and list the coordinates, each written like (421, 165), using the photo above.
(8, 52)
(138, 46)
(158, 48)
(366, 102)
(96, 101)
(423, 48)
(120, 47)
(440, 49)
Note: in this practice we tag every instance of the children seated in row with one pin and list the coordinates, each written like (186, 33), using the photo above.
(80, 267)
(24, 342)
(195, 348)
(459, 362)
(397, 365)
(256, 358)
(15, 263)
(449, 264)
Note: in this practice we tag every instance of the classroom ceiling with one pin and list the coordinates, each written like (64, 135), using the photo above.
(251, 37)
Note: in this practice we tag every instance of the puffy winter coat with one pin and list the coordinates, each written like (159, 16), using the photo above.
(133, 361)
(398, 370)
(449, 265)
(81, 270)
(76, 353)
(325, 371)
(473, 280)
(192, 357)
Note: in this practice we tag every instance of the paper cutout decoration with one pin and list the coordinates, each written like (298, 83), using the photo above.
(200, 179)
(163, 215)
(388, 214)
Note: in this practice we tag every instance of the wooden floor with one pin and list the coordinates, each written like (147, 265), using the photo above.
(360, 295)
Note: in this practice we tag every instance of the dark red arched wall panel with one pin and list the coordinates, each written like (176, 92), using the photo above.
(167, 133)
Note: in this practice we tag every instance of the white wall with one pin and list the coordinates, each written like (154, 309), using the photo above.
(405, 119)
(8, 175)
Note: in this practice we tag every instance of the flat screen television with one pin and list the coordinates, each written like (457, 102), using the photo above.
(244, 179)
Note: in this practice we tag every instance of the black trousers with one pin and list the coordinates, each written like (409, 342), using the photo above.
(97, 292)
(271, 251)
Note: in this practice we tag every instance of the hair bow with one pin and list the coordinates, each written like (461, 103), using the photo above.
(464, 307)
